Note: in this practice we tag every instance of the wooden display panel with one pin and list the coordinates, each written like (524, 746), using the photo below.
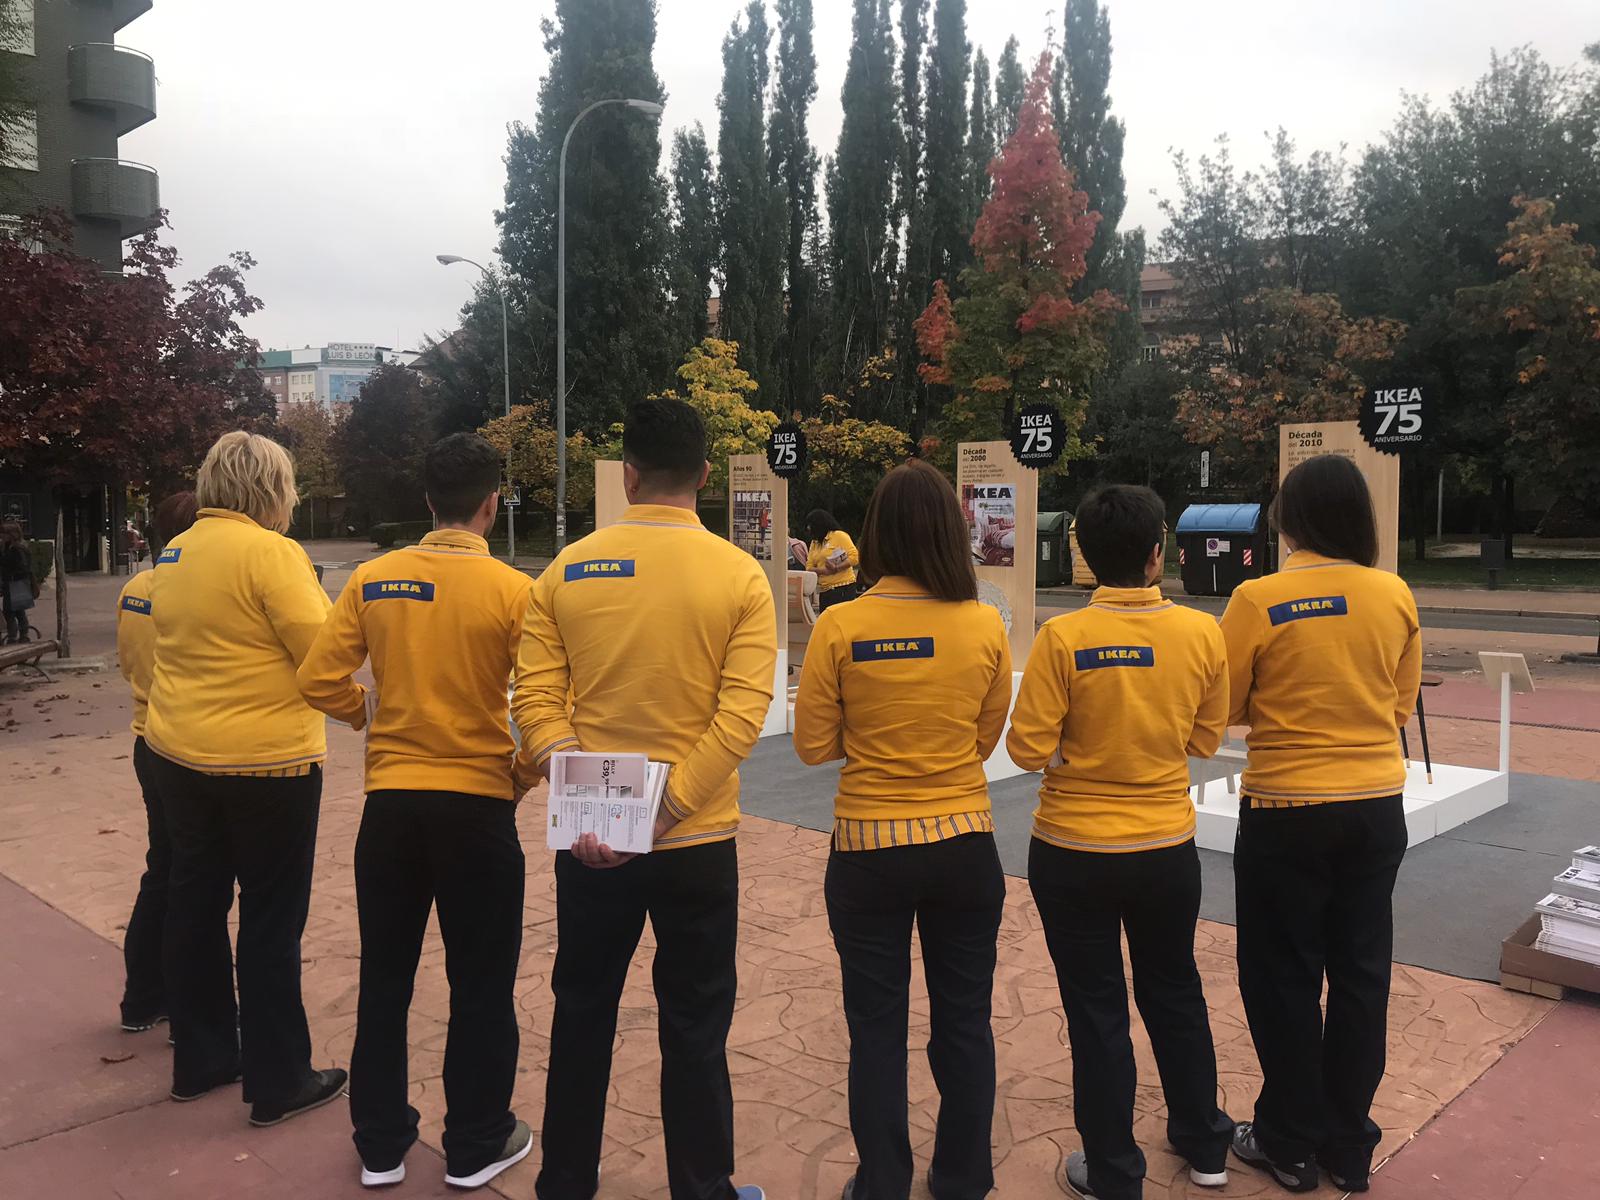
(610, 502)
(758, 522)
(1000, 497)
(1296, 443)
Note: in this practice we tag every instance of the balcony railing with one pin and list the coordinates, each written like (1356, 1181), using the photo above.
(106, 76)
(114, 189)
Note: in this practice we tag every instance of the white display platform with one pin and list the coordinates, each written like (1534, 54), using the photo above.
(780, 713)
(998, 765)
(1456, 796)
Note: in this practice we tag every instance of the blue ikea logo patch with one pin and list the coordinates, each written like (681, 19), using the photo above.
(600, 568)
(136, 604)
(1114, 656)
(169, 556)
(397, 589)
(877, 649)
(1312, 606)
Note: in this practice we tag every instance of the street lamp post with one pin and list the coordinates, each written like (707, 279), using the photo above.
(447, 260)
(650, 108)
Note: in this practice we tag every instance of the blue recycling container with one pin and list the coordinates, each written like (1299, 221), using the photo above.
(1220, 546)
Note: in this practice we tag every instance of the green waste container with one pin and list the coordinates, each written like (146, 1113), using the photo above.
(1052, 552)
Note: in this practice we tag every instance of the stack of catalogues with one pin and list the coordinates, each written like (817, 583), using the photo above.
(1569, 917)
(616, 797)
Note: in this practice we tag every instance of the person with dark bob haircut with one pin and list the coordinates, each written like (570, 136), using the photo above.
(909, 685)
(144, 997)
(1325, 659)
(833, 556)
(1116, 699)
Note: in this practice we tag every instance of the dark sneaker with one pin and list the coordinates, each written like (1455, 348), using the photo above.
(140, 1024)
(849, 1192)
(183, 1093)
(1295, 1177)
(322, 1087)
(517, 1148)
(1351, 1182)
(1075, 1175)
(749, 1192)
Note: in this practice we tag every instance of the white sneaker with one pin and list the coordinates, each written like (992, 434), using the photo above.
(517, 1148)
(383, 1178)
(1210, 1179)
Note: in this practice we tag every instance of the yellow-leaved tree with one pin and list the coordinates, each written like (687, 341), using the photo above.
(720, 390)
(527, 438)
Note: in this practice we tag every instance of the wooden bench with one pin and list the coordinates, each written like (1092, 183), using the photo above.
(27, 655)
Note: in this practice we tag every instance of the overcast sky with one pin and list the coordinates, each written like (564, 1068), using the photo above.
(344, 143)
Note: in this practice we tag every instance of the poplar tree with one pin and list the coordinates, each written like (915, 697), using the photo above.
(694, 235)
(1091, 138)
(860, 187)
(980, 136)
(618, 343)
(1009, 83)
(948, 228)
(792, 168)
(910, 218)
(749, 209)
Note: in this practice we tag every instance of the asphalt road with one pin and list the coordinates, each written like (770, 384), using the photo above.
(1432, 618)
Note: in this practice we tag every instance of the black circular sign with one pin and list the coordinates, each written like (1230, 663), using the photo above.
(1037, 436)
(786, 451)
(1393, 419)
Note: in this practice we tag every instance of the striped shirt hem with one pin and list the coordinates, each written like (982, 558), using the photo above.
(1120, 847)
(299, 772)
(283, 769)
(850, 834)
(1266, 799)
(696, 838)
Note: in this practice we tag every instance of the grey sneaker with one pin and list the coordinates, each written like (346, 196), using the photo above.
(1294, 1177)
(1075, 1175)
(518, 1146)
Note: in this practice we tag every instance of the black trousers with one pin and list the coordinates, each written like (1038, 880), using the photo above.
(415, 850)
(692, 899)
(1086, 901)
(261, 832)
(954, 892)
(144, 996)
(837, 595)
(1315, 887)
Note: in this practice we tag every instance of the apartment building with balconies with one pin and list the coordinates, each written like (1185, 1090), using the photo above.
(86, 91)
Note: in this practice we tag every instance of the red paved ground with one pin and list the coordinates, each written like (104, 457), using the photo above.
(1527, 1130)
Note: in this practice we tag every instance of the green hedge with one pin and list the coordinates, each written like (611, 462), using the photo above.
(43, 555)
(389, 533)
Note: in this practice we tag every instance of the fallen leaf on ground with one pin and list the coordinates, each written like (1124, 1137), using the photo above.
(117, 1058)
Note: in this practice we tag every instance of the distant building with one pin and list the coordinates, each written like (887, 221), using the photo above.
(87, 92)
(330, 375)
(1159, 306)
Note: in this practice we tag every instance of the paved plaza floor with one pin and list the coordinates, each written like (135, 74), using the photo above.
(83, 1111)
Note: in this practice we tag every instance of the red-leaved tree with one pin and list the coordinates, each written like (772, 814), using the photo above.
(1017, 335)
(120, 379)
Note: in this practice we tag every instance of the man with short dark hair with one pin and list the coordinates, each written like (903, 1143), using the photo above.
(441, 622)
(1114, 700)
(650, 636)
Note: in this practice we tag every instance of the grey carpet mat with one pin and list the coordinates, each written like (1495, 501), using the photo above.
(1457, 897)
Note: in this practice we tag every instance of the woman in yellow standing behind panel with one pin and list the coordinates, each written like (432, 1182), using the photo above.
(1324, 662)
(910, 686)
(238, 763)
(833, 556)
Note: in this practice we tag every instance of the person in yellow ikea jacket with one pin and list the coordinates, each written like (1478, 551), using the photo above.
(1325, 659)
(144, 996)
(834, 557)
(650, 636)
(441, 622)
(1114, 701)
(238, 759)
(910, 685)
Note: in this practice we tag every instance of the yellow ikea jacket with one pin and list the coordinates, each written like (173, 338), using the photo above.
(912, 693)
(1324, 660)
(652, 636)
(235, 607)
(817, 559)
(441, 621)
(136, 642)
(1114, 700)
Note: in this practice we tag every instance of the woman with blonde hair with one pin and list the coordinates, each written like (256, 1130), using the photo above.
(236, 606)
